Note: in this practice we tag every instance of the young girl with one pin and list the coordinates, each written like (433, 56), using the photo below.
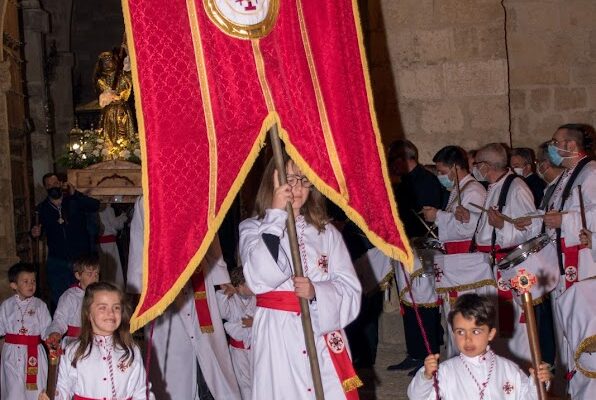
(329, 284)
(104, 363)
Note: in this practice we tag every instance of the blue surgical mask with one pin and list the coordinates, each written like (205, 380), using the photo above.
(445, 181)
(478, 175)
(554, 156)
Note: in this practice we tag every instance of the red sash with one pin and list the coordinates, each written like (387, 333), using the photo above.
(107, 239)
(287, 301)
(77, 397)
(505, 297)
(238, 344)
(458, 247)
(571, 263)
(73, 331)
(201, 304)
(32, 357)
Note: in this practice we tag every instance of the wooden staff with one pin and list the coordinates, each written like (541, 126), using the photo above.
(522, 284)
(297, 262)
(457, 187)
(505, 217)
(582, 208)
(54, 360)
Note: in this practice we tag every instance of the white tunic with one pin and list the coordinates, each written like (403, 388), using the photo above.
(451, 229)
(279, 352)
(574, 312)
(68, 312)
(109, 256)
(233, 309)
(102, 374)
(36, 318)
(507, 380)
(177, 333)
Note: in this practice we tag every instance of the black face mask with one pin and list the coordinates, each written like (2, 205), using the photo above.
(55, 193)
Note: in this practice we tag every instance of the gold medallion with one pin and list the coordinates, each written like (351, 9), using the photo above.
(243, 19)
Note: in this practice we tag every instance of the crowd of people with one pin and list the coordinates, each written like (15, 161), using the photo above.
(235, 331)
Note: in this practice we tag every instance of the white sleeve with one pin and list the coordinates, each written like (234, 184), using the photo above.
(67, 374)
(452, 229)
(45, 319)
(261, 272)
(63, 310)
(520, 202)
(421, 388)
(237, 331)
(223, 303)
(338, 298)
(571, 223)
(3, 318)
(217, 269)
(137, 383)
(135, 250)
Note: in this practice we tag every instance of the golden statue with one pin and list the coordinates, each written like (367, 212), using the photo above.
(116, 117)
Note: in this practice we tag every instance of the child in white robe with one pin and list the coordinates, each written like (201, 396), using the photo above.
(238, 310)
(67, 317)
(477, 373)
(104, 363)
(330, 284)
(23, 321)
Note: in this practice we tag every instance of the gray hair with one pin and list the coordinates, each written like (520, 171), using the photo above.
(494, 154)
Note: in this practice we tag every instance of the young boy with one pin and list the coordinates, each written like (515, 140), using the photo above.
(238, 309)
(23, 319)
(67, 318)
(477, 373)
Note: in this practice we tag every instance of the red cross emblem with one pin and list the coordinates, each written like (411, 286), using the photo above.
(323, 263)
(31, 313)
(335, 342)
(122, 366)
(571, 273)
(523, 281)
(438, 273)
(508, 387)
(503, 285)
(32, 361)
(249, 6)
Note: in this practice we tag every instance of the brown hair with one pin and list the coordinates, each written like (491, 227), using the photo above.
(472, 306)
(313, 210)
(121, 337)
(86, 262)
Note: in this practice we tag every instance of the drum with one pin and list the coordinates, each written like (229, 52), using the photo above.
(422, 279)
(463, 272)
(537, 256)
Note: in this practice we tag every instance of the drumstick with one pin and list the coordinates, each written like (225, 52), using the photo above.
(457, 187)
(542, 215)
(505, 217)
(428, 228)
(582, 209)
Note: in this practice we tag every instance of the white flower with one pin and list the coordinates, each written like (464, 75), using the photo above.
(78, 150)
(137, 153)
(99, 140)
(99, 146)
(124, 154)
(105, 152)
(96, 153)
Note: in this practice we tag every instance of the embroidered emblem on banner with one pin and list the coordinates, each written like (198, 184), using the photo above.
(323, 263)
(32, 361)
(438, 273)
(243, 19)
(508, 387)
(335, 342)
(571, 273)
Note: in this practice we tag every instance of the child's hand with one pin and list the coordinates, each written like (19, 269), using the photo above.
(228, 289)
(431, 365)
(43, 396)
(544, 374)
(585, 238)
(53, 340)
(282, 194)
(303, 288)
(247, 322)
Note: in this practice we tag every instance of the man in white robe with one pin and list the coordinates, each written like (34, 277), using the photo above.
(177, 334)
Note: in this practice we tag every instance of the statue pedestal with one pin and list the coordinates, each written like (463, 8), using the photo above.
(112, 181)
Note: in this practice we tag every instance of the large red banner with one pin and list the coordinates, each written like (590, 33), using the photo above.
(210, 78)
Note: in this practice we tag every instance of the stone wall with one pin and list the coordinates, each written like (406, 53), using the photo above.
(552, 48)
(458, 71)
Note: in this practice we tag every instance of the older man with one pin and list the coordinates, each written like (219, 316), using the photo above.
(523, 164)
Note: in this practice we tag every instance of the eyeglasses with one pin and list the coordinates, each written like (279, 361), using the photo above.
(555, 142)
(293, 181)
(477, 163)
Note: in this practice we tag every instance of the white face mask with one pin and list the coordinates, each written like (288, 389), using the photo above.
(478, 175)
(519, 171)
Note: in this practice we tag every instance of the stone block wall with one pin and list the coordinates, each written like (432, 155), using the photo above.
(552, 48)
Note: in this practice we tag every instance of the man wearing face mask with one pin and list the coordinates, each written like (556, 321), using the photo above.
(455, 232)
(507, 195)
(548, 172)
(62, 218)
(522, 163)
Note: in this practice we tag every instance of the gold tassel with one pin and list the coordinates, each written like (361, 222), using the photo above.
(351, 383)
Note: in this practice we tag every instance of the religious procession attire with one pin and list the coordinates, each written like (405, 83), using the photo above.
(232, 309)
(191, 325)
(457, 238)
(518, 202)
(487, 377)
(102, 374)
(24, 364)
(67, 317)
(278, 346)
(109, 256)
